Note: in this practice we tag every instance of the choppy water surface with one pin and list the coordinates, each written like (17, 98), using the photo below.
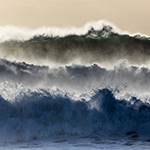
(74, 90)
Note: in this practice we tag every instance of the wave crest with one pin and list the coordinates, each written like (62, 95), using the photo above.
(42, 114)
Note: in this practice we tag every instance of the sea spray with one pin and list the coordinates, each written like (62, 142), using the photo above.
(91, 82)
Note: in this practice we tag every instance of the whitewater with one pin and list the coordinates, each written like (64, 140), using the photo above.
(75, 88)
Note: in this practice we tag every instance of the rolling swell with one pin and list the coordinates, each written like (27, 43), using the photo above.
(101, 46)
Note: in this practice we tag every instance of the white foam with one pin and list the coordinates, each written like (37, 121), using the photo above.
(8, 33)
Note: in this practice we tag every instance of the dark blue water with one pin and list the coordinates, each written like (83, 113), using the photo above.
(92, 84)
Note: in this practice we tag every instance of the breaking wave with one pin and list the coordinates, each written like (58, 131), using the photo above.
(101, 44)
(43, 114)
(92, 81)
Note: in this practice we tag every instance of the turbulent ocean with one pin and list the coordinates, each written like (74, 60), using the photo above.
(74, 88)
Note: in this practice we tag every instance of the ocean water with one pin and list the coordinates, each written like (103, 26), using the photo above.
(85, 88)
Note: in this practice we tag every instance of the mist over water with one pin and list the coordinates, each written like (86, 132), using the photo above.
(100, 43)
(92, 81)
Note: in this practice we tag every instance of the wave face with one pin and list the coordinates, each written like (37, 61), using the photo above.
(102, 45)
(91, 83)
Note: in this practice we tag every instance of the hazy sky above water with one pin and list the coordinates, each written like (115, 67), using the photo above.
(128, 15)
